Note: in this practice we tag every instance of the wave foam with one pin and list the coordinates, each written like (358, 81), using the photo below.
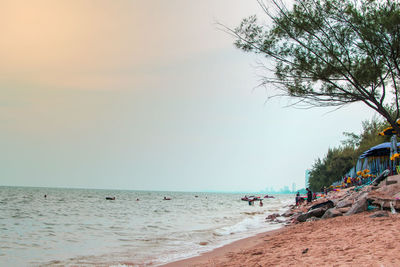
(246, 225)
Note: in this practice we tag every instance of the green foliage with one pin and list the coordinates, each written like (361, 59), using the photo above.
(330, 52)
(369, 136)
(338, 161)
(328, 170)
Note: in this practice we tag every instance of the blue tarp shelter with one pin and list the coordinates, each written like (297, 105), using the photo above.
(378, 151)
(377, 158)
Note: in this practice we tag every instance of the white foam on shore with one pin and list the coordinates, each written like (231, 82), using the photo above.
(246, 225)
(246, 228)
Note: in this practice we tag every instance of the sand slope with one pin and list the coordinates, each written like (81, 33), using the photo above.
(356, 240)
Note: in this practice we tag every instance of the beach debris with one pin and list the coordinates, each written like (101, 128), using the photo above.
(305, 251)
(257, 253)
(392, 209)
(344, 203)
(388, 182)
(313, 219)
(326, 205)
(331, 213)
(343, 210)
(288, 213)
(252, 213)
(395, 179)
(381, 177)
(379, 214)
(272, 216)
(203, 243)
(386, 197)
(318, 212)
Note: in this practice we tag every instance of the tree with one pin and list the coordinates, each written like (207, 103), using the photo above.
(330, 169)
(369, 136)
(330, 52)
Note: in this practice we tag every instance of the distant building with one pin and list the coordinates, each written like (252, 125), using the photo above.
(308, 178)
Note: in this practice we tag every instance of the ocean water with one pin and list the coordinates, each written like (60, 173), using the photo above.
(73, 227)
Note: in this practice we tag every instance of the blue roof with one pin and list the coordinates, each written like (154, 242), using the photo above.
(379, 150)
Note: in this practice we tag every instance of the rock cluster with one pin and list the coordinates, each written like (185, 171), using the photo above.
(274, 218)
(383, 196)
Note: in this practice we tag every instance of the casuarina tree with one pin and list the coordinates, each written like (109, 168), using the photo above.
(329, 52)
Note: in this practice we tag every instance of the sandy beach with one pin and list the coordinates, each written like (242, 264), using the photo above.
(356, 240)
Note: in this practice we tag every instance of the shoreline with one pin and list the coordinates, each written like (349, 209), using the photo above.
(337, 230)
(205, 258)
(237, 246)
(356, 240)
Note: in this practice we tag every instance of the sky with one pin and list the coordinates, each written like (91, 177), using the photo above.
(147, 95)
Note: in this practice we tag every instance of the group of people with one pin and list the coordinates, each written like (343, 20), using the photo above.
(251, 202)
(300, 199)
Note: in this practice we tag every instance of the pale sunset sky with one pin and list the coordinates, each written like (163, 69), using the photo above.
(147, 95)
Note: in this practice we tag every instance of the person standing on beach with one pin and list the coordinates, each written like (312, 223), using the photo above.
(297, 198)
(309, 195)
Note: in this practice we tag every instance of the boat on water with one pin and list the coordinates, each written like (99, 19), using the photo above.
(268, 196)
(251, 198)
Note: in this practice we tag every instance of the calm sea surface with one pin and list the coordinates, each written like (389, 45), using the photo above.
(80, 227)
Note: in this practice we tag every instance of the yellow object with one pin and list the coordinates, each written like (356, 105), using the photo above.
(395, 156)
(387, 129)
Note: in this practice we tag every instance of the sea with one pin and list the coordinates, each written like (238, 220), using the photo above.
(80, 227)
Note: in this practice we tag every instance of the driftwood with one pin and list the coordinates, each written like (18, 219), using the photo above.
(381, 177)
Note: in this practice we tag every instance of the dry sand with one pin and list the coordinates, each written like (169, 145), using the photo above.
(356, 240)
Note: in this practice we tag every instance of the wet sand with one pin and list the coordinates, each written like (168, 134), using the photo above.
(356, 240)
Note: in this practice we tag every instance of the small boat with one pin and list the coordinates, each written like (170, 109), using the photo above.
(250, 198)
(110, 198)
